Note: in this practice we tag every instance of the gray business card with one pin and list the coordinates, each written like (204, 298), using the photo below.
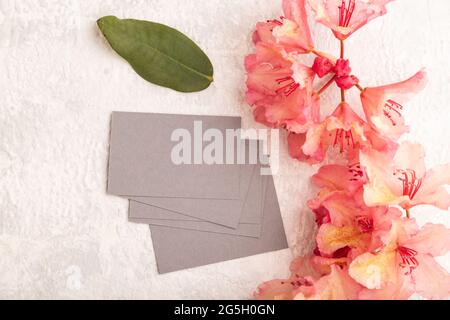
(140, 162)
(177, 249)
(250, 220)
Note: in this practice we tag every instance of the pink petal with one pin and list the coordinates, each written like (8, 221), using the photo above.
(402, 289)
(331, 238)
(327, 13)
(275, 290)
(430, 279)
(336, 286)
(375, 271)
(295, 143)
(432, 239)
(383, 105)
(302, 42)
(339, 178)
(342, 209)
(433, 190)
(383, 187)
(410, 156)
(263, 32)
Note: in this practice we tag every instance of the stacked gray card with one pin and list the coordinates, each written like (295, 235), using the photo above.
(198, 212)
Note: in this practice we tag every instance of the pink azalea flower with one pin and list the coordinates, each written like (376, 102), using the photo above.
(344, 17)
(337, 285)
(403, 180)
(280, 89)
(405, 260)
(343, 130)
(286, 289)
(295, 143)
(352, 224)
(339, 178)
(291, 31)
(384, 105)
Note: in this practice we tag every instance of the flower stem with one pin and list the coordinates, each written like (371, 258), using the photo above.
(326, 86)
(342, 57)
(408, 215)
(360, 88)
(342, 95)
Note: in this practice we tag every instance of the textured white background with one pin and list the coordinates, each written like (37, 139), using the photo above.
(61, 236)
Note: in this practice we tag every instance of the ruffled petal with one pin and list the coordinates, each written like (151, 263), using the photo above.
(400, 290)
(294, 32)
(410, 156)
(384, 105)
(432, 239)
(339, 178)
(336, 286)
(327, 12)
(323, 265)
(383, 187)
(433, 189)
(431, 280)
(301, 280)
(374, 271)
(331, 238)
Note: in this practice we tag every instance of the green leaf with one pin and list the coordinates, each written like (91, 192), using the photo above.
(158, 53)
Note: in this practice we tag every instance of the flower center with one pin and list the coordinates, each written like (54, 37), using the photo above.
(392, 110)
(298, 282)
(343, 138)
(346, 12)
(408, 258)
(288, 85)
(356, 172)
(365, 223)
(276, 22)
(411, 184)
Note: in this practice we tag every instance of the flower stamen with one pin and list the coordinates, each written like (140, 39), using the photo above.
(392, 109)
(356, 172)
(411, 184)
(365, 223)
(408, 258)
(343, 138)
(289, 85)
(346, 12)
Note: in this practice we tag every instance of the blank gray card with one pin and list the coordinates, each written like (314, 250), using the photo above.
(140, 162)
(183, 249)
(251, 213)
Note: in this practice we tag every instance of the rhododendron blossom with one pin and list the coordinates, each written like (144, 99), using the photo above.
(367, 245)
(384, 106)
(403, 179)
(291, 30)
(344, 17)
(407, 252)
